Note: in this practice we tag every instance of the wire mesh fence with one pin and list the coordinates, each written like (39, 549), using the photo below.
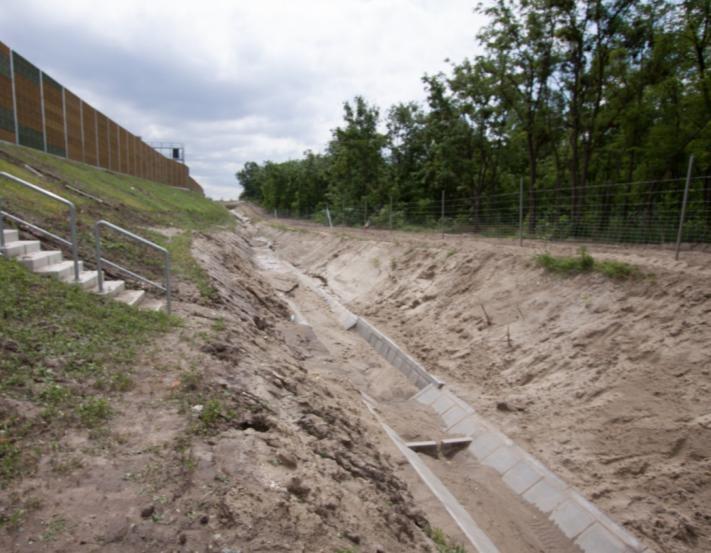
(648, 212)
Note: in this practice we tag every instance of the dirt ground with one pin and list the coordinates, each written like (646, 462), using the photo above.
(607, 382)
(230, 440)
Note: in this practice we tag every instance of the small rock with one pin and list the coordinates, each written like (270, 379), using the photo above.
(197, 408)
(204, 519)
(288, 460)
(297, 488)
(148, 511)
(182, 539)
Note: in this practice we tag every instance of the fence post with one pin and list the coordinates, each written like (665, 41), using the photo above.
(390, 213)
(683, 207)
(328, 214)
(365, 212)
(520, 212)
(441, 219)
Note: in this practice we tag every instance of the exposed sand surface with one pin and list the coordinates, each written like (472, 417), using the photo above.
(607, 382)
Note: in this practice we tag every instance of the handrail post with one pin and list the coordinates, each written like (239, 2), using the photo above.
(100, 273)
(75, 245)
(2, 230)
(167, 282)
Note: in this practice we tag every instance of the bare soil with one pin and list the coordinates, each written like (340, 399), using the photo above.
(608, 382)
(230, 440)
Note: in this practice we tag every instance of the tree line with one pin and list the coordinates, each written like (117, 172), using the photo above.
(571, 95)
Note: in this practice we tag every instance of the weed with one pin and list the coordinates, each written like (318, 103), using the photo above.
(443, 544)
(10, 461)
(375, 262)
(54, 527)
(219, 325)
(211, 413)
(616, 269)
(190, 380)
(54, 395)
(585, 263)
(451, 252)
(94, 412)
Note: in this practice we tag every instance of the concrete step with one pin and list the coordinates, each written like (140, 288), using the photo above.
(88, 279)
(153, 304)
(112, 288)
(64, 270)
(131, 297)
(21, 247)
(39, 259)
(11, 235)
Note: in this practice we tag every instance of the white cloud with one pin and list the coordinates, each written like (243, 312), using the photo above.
(239, 81)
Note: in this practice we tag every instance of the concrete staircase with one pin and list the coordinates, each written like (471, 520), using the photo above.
(52, 263)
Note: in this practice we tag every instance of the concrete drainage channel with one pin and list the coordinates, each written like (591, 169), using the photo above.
(521, 475)
(577, 518)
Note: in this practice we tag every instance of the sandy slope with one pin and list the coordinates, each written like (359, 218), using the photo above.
(607, 382)
(293, 463)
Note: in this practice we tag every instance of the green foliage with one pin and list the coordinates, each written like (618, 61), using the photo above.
(443, 544)
(128, 201)
(570, 95)
(55, 341)
(585, 263)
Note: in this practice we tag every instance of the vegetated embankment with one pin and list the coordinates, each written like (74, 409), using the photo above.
(608, 381)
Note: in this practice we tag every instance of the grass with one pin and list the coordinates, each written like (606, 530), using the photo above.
(58, 346)
(443, 544)
(130, 202)
(585, 263)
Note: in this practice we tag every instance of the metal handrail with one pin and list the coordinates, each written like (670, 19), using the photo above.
(72, 220)
(101, 261)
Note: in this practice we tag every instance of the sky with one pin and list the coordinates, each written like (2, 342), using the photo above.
(239, 80)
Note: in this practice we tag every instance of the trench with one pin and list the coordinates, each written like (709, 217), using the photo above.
(496, 497)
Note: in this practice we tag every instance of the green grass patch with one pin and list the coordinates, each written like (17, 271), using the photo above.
(585, 263)
(58, 344)
(444, 545)
(130, 202)
(186, 266)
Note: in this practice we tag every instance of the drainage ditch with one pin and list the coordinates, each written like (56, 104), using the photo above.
(501, 497)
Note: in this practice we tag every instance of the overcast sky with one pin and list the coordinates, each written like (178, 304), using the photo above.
(239, 80)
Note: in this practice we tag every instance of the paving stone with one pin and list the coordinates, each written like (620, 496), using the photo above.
(485, 444)
(572, 518)
(598, 539)
(521, 476)
(453, 415)
(503, 458)
(546, 494)
(443, 402)
(469, 426)
(427, 395)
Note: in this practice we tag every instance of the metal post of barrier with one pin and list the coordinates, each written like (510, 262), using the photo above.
(167, 281)
(328, 214)
(2, 230)
(100, 262)
(100, 273)
(683, 207)
(520, 212)
(390, 213)
(441, 219)
(75, 244)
